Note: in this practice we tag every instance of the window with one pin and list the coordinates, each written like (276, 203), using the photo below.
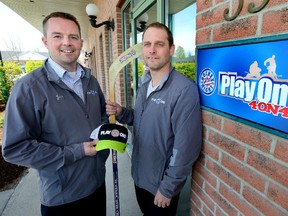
(184, 29)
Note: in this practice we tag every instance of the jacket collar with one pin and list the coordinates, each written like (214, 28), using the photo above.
(53, 76)
(147, 77)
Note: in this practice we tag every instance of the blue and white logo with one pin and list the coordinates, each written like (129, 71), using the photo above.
(207, 81)
(158, 100)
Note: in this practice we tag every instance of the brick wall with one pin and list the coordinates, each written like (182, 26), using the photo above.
(104, 40)
(242, 170)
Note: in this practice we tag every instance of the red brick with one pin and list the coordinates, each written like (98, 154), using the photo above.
(248, 135)
(195, 187)
(219, 1)
(239, 28)
(236, 200)
(221, 201)
(195, 199)
(245, 173)
(210, 17)
(198, 178)
(194, 211)
(224, 175)
(207, 176)
(203, 36)
(220, 212)
(202, 195)
(281, 150)
(276, 2)
(269, 167)
(207, 211)
(261, 202)
(226, 144)
(208, 201)
(211, 120)
(205, 4)
(211, 151)
(275, 21)
(278, 195)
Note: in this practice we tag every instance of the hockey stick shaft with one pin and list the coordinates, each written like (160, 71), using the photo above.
(126, 57)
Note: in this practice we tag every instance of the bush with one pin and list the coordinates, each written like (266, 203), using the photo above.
(140, 69)
(13, 72)
(2, 115)
(4, 92)
(9, 72)
(12, 68)
(186, 68)
(32, 65)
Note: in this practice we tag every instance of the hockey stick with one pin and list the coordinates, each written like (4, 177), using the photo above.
(125, 58)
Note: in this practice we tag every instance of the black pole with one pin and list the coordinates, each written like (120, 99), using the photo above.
(1, 60)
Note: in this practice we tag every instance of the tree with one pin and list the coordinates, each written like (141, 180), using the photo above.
(14, 44)
(180, 53)
(189, 54)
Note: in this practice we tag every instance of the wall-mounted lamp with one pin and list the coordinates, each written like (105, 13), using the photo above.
(88, 54)
(92, 11)
(143, 19)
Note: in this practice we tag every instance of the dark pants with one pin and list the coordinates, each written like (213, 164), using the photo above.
(146, 203)
(95, 204)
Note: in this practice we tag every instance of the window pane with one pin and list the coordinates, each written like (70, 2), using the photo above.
(184, 28)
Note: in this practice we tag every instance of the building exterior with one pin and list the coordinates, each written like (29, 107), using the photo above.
(237, 44)
(243, 167)
(24, 56)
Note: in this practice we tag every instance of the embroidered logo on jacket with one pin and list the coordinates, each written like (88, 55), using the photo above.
(91, 92)
(158, 100)
(59, 97)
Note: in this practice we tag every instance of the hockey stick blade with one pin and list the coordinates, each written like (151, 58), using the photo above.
(125, 58)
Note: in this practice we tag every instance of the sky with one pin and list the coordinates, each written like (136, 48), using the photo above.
(15, 30)
(185, 29)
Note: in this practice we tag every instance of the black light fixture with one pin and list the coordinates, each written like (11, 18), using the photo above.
(88, 54)
(1, 60)
(143, 19)
(92, 11)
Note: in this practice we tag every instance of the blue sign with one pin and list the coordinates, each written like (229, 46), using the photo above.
(249, 81)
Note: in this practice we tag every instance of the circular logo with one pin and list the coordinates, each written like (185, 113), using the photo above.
(115, 133)
(207, 81)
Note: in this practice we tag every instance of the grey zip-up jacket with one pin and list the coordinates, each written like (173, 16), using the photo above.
(45, 126)
(167, 134)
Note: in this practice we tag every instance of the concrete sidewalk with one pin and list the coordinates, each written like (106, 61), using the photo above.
(24, 199)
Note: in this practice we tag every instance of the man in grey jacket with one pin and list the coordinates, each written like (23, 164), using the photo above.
(49, 117)
(167, 126)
